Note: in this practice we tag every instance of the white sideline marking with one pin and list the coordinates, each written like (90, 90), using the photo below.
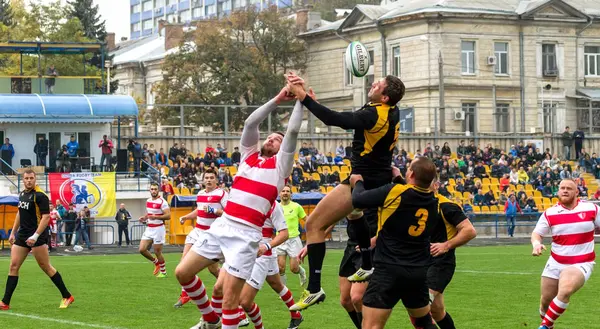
(494, 272)
(76, 323)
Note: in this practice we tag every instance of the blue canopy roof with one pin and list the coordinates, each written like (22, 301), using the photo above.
(9, 200)
(21, 108)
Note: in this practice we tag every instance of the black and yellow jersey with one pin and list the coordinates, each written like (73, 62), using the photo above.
(32, 205)
(451, 215)
(376, 130)
(407, 216)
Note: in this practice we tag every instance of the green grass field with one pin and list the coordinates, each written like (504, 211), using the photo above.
(494, 287)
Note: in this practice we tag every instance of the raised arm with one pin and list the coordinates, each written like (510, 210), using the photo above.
(251, 134)
(285, 162)
(364, 199)
(344, 120)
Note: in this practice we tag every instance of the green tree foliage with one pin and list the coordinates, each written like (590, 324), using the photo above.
(238, 60)
(87, 13)
(6, 13)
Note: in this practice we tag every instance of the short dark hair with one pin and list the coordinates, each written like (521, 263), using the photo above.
(211, 171)
(154, 184)
(424, 170)
(28, 171)
(280, 133)
(394, 89)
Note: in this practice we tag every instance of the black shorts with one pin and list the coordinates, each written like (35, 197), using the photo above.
(390, 284)
(351, 261)
(373, 180)
(440, 273)
(21, 240)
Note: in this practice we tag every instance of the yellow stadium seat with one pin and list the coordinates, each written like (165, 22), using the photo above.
(166, 170)
(345, 169)
(315, 176)
(450, 188)
(452, 181)
(529, 187)
(529, 193)
(410, 155)
(320, 169)
(306, 175)
(453, 155)
(185, 191)
(476, 209)
(233, 170)
(485, 188)
(177, 190)
(495, 209)
(466, 195)
(344, 175)
(323, 189)
(328, 168)
(537, 193)
(485, 209)
(329, 189)
(554, 200)
(458, 195)
(296, 157)
(294, 189)
(347, 162)
(494, 181)
(335, 168)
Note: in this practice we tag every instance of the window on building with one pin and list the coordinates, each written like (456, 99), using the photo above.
(135, 9)
(549, 67)
(348, 77)
(501, 117)
(468, 57)
(136, 27)
(371, 57)
(147, 24)
(159, 3)
(172, 18)
(210, 10)
(186, 15)
(147, 5)
(592, 60)
(396, 61)
(197, 12)
(501, 52)
(171, 2)
(549, 114)
(469, 123)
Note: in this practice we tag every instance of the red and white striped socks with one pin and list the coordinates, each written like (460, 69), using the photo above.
(231, 319)
(155, 261)
(288, 299)
(196, 291)
(163, 268)
(255, 317)
(242, 314)
(217, 304)
(556, 309)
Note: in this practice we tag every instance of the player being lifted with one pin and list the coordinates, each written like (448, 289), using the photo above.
(157, 212)
(235, 236)
(29, 233)
(210, 203)
(408, 215)
(453, 230)
(571, 224)
(265, 268)
(291, 248)
(376, 129)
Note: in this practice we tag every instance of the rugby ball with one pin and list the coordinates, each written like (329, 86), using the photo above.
(357, 59)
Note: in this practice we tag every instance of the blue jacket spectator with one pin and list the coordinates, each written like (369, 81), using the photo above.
(7, 146)
(72, 147)
(161, 158)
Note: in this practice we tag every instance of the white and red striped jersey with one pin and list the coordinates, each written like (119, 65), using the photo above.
(256, 186)
(155, 207)
(275, 222)
(216, 199)
(572, 232)
(53, 217)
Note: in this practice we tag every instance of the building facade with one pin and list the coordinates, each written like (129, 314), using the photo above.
(470, 67)
(145, 14)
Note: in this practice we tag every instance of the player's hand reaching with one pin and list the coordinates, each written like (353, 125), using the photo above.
(312, 94)
(284, 95)
(355, 178)
(142, 219)
(182, 220)
(538, 249)
(302, 254)
(438, 249)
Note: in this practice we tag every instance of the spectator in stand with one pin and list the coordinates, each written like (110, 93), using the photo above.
(174, 152)
(479, 198)
(309, 184)
(597, 194)
(547, 190)
(222, 151)
(173, 172)
(310, 166)
(564, 173)
(511, 208)
(70, 219)
(462, 149)
(152, 153)
(523, 177)
(41, 151)
(106, 145)
(504, 183)
(312, 150)
(348, 152)
(227, 178)
(503, 198)
(303, 151)
(329, 159)
(235, 156)
(567, 139)
(459, 187)
(81, 225)
(166, 188)
(587, 163)
(122, 217)
(339, 151)
(577, 172)
(489, 199)
(578, 137)
(531, 206)
(72, 147)
(52, 73)
(161, 158)
(522, 201)
(136, 151)
(145, 151)
(446, 149)
(470, 183)
(582, 187)
(443, 190)
(62, 213)
(296, 179)
(479, 170)
(320, 159)
(326, 177)
(453, 171)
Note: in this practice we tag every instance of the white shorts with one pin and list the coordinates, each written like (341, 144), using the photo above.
(53, 228)
(193, 236)
(291, 247)
(554, 268)
(156, 234)
(234, 242)
(263, 267)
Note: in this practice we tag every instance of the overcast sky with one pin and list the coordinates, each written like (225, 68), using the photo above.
(116, 14)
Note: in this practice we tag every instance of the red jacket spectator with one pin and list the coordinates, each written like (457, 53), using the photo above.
(106, 145)
(504, 183)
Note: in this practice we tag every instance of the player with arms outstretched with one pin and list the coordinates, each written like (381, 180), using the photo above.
(157, 212)
(291, 248)
(210, 203)
(29, 233)
(453, 230)
(408, 215)
(571, 223)
(376, 129)
(235, 236)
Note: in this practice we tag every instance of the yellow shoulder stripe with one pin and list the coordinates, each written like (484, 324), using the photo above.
(391, 204)
(382, 126)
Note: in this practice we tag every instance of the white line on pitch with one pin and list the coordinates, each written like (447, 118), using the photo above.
(495, 272)
(76, 323)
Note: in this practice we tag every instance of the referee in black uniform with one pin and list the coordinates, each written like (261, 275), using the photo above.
(453, 230)
(408, 214)
(29, 234)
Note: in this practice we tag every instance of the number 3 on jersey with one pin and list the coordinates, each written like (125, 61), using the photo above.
(416, 230)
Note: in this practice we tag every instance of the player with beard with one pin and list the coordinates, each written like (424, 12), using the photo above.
(157, 212)
(30, 234)
(571, 223)
(376, 130)
(210, 203)
(291, 248)
(236, 235)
